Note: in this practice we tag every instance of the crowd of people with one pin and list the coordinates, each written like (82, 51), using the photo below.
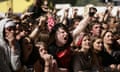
(40, 41)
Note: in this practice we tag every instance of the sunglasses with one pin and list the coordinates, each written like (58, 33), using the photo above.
(11, 28)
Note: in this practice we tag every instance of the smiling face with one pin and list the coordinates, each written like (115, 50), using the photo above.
(97, 45)
(61, 37)
(85, 42)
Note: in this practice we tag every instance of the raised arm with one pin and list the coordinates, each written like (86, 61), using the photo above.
(118, 14)
(64, 17)
(82, 25)
(107, 12)
(35, 32)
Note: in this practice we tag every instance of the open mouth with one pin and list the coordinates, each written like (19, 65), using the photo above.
(65, 38)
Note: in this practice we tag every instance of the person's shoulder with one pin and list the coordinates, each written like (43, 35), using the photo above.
(78, 53)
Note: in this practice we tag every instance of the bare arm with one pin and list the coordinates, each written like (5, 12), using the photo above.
(26, 14)
(64, 17)
(107, 13)
(118, 14)
(82, 25)
(48, 63)
(35, 32)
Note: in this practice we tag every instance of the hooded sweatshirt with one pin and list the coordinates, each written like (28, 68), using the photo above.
(9, 60)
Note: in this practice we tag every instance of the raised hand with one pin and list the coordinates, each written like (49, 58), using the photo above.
(42, 19)
(92, 11)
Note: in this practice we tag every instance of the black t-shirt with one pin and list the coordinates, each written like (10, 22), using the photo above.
(107, 59)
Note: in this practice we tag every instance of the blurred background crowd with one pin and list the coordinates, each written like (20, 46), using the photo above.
(60, 36)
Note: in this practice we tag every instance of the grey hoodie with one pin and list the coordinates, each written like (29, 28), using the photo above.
(9, 60)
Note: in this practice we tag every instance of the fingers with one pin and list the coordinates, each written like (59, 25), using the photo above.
(118, 67)
(28, 13)
(113, 67)
(42, 19)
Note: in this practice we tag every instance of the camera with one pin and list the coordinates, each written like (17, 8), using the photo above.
(92, 11)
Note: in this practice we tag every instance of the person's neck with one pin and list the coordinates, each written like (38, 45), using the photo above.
(95, 35)
(108, 48)
(84, 50)
(59, 44)
(96, 51)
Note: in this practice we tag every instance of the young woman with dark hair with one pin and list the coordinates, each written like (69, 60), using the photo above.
(85, 60)
(59, 45)
(112, 48)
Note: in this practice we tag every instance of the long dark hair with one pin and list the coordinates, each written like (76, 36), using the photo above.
(114, 45)
(96, 58)
(34, 54)
(93, 40)
(53, 33)
(38, 3)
